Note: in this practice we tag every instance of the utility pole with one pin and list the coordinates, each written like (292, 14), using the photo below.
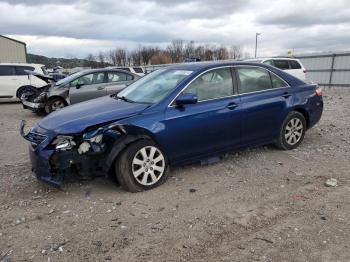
(256, 42)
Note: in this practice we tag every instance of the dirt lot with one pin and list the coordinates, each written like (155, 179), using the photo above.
(261, 204)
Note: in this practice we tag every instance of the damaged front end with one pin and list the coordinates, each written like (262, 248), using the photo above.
(35, 99)
(57, 157)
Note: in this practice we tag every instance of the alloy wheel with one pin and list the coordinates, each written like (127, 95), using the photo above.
(293, 131)
(148, 165)
(56, 105)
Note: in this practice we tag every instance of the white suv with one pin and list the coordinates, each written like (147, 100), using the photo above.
(290, 65)
(14, 80)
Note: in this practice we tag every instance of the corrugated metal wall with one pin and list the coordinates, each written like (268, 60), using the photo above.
(327, 69)
(12, 51)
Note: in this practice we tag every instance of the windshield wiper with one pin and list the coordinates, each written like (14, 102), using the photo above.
(124, 99)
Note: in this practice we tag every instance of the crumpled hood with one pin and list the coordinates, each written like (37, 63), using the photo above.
(76, 118)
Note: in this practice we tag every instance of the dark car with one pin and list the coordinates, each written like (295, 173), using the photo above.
(75, 88)
(173, 116)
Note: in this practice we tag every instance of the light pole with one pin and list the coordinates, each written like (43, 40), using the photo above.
(256, 42)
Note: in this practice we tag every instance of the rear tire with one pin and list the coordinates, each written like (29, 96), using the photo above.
(141, 166)
(292, 131)
(55, 104)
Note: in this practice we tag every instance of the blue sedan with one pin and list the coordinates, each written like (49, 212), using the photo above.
(174, 116)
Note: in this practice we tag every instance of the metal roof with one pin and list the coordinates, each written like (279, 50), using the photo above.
(13, 40)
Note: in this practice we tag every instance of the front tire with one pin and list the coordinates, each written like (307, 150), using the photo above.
(141, 166)
(55, 104)
(292, 131)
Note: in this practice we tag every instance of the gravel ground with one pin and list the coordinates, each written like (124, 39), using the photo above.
(261, 204)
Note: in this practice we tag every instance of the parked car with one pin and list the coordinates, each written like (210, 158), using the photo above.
(138, 70)
(192, 59)
(14, 80)
(173, 116)
(292, 66)
(78, 87)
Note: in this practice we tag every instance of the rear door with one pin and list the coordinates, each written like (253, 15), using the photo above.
(117, 81)
(8, 82)
(210, 125)
(87, 87)
(265, 99)
(22, 77)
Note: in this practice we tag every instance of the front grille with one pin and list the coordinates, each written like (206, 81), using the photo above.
(36, 138)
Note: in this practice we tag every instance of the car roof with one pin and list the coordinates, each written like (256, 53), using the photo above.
(207, 65)
(268, 58)
(86, 71)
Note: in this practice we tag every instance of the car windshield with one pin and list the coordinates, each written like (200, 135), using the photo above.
(69, 78)
(154, 87)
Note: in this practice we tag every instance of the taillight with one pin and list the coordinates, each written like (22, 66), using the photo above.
(318, 91)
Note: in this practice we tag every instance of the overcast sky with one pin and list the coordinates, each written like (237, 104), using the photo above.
(66, 28)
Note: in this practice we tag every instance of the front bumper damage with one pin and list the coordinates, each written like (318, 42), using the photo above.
(54, 166)
(34, 101)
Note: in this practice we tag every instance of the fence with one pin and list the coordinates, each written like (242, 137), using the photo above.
(327, 69)
(324, 69)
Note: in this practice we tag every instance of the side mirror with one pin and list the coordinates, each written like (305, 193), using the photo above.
(186, 99)
(79, 85)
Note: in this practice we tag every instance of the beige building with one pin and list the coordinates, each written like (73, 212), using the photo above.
(12, 50)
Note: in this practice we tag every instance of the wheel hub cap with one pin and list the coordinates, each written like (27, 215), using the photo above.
(294, 131)
(148, 165)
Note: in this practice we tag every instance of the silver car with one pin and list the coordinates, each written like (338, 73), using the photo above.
(78, 87)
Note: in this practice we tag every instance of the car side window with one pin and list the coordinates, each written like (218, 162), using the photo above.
(277, 82)
(117, 77)
(294, 64)
(253, 79)
(281, 64)
(269, 62)
(20, 70)
(89, 79)
(216, 83)
(7, 70)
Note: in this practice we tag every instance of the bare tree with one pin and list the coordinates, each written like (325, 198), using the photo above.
(236, 52)
(161, 57)
(189, 50)
(101, 58)
(120, 56)
(175, 50)
(136, 56)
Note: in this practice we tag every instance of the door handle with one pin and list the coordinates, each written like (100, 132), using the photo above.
(232, 105)
(100, 88)
(286, 95)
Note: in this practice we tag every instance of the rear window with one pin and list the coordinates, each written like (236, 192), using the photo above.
(20, 70)
(138, 69)
(124, 68)
(281, 64)
(294, 64)
(7, 70)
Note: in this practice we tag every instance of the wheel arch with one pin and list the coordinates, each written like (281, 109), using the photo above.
(305, 113)
(59, 97)
(133, 134)
(24, 87)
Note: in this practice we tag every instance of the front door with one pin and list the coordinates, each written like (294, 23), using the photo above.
(210, 125)
(87, 87)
